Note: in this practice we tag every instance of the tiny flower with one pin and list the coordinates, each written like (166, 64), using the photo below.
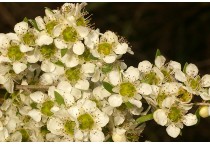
(191, 70)
(21, 28)
(144, 66)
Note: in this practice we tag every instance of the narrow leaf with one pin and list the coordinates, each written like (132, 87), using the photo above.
(185, 66)
(34, 24)
(59, 63)
(63, 52)
(25, 19)
(197, 115)
(58, 98)
(158, 53)
(129, 105)
(108, 86)
(144, 118)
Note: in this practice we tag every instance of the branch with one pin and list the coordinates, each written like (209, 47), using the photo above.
(28, 87)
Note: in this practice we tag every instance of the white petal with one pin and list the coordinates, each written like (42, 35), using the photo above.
(21, 28)
(47, 66)
(78, 135)
(60, 44)
(7, 103)
(108, 110)
(118, 135)
(49, 14)
(132, 74)
(70, 61)
(16, 137)
(65, 86)
(173, 131)
(11, 125)
(160, 117)
(109, 58)
(114, 77)
(13, 37)
(190, 119)
(180, 76)
(9, 85)
(4, 41)
(55, 126)
(37, 97)
(89, 106)
(40, 23)
(191, 70)
(101, 118)
(4, 135)
(100, 92)
(115, 100)
(155, 90)
(68, 99)
(58, 29)
(174, 65)
(110, 37)
(145, 66)
(55, 109)
(204, 95)
(78, 48)
(88, 67)
(18, 67)
(76, 93)
(92, 38)
(82, 85)
(119, 119)
(46, 79)
(159, 61)
(135, 102)
(33, 57)
(82, 31)
(35, 115)
(96, 136)
(1, 126)
(74, 112)
(121, 48)
(205, 81)
(25, 48)
(44, 39)
(168, 102)
(145, 89)
(96, 76)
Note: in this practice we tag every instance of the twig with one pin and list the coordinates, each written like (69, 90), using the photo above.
(202, 104)
(29, 87)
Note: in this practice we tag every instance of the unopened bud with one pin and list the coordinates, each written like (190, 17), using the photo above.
(204, 111)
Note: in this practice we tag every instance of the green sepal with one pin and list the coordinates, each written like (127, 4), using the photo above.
(144, 118)
(58, 98)
(108, 86)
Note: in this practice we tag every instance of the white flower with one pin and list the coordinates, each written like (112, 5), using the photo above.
(145, 66)
(88, 68)
(174, 65)
(4, 41)
(55, 126)
(18, 67)
(132, 74)
(78, 48)
(190, 119)
(173, 131)
(121, 48)
(21, 28)
(191, 70)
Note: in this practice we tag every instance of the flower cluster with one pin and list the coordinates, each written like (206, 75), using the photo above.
(66, 82)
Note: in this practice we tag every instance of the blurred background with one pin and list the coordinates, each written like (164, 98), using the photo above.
(180, 30)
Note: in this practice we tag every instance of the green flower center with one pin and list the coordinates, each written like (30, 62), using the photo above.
(175, 114)
(29, 39)
(25, 135)
(104, 48)
(160, 99)
(48, 51)
(85, 121)
(184, 95)
(73, 74)
(50, 26)
(69, 127)
(150, 78)
(46, 106)
(70, 34)
(194, 83)
(81, 22)
(14, 53)
(127, 89)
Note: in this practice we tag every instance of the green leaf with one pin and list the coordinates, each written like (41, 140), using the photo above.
(63, 52)
(59, 63)
(185, 66)
(25, 19)
(34, 24)
(108, 86)
(58, 98)
(107, 68)
(197, 115)
(144, 118)
(158, 53)
(93, 57)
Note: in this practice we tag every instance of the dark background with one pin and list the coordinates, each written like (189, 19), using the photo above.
(180, 30)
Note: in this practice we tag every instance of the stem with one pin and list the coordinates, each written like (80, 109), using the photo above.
(29, 87)
(202, 104)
